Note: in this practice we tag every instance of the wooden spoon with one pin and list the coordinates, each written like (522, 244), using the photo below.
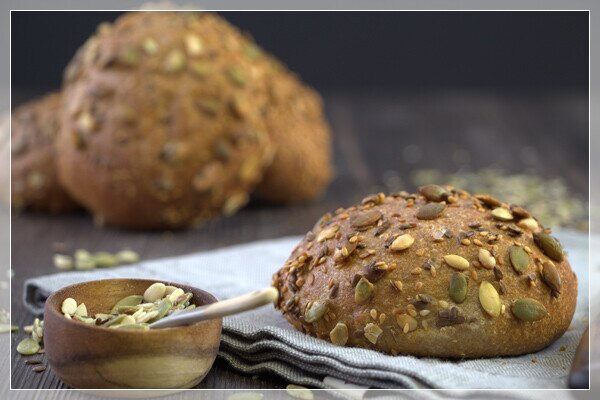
(219, 309)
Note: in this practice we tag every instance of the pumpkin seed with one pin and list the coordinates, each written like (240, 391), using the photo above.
(549, 245)
(115, 320)
(528, 310)
(518, 258)
(37, 331)
(86, 124)
(236, 75)
(550, 276)
(431, 211)
(519, 212)
(183, 301)
(156, 291)
(150, 46)
(63, 262)
(84, 260)
(363, 291)
(131, 301)
(433, 193)
(486, 259)
(129, 56)
(141, 326)
(175, 61)
(127, 257)
(252, 51)
(372, 332)
(193, 45)
(163, 308)
(402, 242)
(489, 299)
(85, 320)
(201, 69)
(299, 392)
(175, 295)
(170, 289)
(488, 200)
(406, 322)
(315, 311)
(234, 203)
(529, 224)
(81, 310)
(28, 347)
(69, 306)
(104, 259)
(456, 262)
(502, 214)
(339, 334)
(365, 219)
(458, 287)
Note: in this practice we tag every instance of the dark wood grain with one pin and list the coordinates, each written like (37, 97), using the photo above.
(543, 133)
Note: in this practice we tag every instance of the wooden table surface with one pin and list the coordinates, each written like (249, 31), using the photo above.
(380, 140)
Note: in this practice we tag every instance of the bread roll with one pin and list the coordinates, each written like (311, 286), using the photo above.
(302, 167)
(441, 273)
(35, 184)
(163, 121)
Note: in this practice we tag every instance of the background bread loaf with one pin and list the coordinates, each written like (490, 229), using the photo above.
(163, 120)
(302, 166)
(34, 176)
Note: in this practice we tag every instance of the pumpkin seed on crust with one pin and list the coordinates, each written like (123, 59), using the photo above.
(339, 334)
(315, 311)
(433, 193)
(489, 299)
(549, 245)
(458, 287)
(519, 258)
(456, 261)
(550, 276)
(528, 310)
(431, 211)
(363, 291)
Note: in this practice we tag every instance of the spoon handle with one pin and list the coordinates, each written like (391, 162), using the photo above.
(219, 309)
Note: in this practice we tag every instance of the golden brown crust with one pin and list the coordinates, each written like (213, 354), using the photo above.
(302, 166)
(378, 272)
(162, 121)
(35, 184)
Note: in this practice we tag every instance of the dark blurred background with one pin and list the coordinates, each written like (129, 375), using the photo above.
(357, 50)
(488, 101)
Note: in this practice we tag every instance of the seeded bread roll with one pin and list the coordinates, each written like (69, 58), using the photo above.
(162, 121)
(35, 183)
(441, 273)
(302, 166)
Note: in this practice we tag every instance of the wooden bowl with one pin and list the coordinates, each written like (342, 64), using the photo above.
(89, 356)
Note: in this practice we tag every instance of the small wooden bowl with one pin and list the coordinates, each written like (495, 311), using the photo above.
(88, 356)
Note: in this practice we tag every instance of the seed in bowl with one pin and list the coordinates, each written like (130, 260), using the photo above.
(134, 312)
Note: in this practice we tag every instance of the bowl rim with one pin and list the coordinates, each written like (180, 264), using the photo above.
(96, 328)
